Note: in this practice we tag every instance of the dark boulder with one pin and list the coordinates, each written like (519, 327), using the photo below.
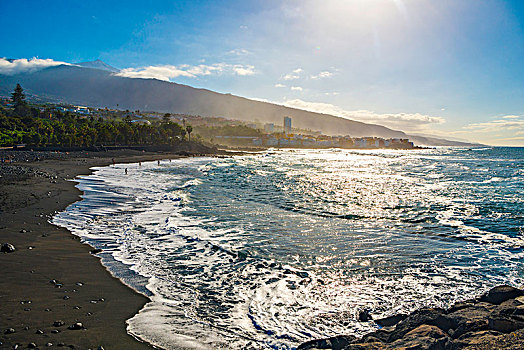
(364, 316)
(424, 337)
(470, 319)
(472, 339)
(7, 248)
(510, 307)
(432, 317)
(381, 335)
(500, 294)
(505, 324)
(335, 343)
(391, 320)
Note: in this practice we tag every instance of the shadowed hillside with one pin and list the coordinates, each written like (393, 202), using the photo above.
(101, 88)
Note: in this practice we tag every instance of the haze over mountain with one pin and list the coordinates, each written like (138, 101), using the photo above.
(97, 64)
(96, 84)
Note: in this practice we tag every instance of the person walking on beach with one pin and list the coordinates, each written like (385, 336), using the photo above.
(126, 171)
(113, 159)
(158, 162)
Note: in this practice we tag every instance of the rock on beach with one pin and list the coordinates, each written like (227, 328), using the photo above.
(495, 320)
(7, 248)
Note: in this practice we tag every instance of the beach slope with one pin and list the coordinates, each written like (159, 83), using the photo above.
(52, 281)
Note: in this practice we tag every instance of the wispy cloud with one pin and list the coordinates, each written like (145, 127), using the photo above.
(280, 85)
(168, 72)
(503, 123)
(295, 74)
(322, 75)
(412, 122)
(23, 65)
(239, 52)
(296, 88)
(156, 72)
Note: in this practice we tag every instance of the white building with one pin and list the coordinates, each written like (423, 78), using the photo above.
(287, 125)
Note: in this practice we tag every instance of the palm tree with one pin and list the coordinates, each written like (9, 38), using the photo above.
(189, 129)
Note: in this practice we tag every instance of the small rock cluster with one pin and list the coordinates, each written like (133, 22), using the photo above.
(493, 321)
(13, 172)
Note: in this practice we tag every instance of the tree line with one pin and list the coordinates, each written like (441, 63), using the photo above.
(43, 127)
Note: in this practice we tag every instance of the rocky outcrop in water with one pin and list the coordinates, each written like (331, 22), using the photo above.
(493, 321)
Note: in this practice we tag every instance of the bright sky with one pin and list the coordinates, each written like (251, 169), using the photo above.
(447, 68)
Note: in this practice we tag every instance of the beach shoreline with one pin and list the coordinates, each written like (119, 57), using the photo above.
(51, 277)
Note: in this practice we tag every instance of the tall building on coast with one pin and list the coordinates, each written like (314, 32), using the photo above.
(287, 125)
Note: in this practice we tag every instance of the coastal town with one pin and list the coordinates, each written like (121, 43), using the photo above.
(287, 137)
(93, 124)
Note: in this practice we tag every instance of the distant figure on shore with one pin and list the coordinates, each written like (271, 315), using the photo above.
(158, 162)
(113, 159)
(169, 160)
(126, 171)
(139, 163)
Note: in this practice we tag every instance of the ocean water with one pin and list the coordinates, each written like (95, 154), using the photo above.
(270, 250)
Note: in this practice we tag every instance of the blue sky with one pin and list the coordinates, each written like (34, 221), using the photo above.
(449, 68)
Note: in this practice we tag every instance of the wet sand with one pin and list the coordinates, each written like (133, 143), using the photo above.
(52, 276)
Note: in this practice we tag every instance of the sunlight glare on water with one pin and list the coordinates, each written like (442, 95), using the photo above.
(271, 250)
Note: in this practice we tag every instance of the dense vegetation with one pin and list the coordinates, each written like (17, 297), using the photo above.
(48, 126)
(208, 132)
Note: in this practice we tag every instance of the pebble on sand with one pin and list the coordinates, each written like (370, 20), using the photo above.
(76, 326)
(7, 248)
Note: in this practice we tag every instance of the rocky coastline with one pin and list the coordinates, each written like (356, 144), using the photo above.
(494, 320)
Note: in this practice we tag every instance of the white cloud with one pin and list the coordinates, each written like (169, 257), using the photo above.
(504, 123)
(295, 74)
(413, 122)
(290, 77)
(280, 86)
(23, 65)
(155, 72)
(244, 70)
(321, 75)
(201, 69)
(296, 88)
(167, 72)
(239, 52)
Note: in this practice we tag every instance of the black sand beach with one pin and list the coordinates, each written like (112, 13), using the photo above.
(51, 278)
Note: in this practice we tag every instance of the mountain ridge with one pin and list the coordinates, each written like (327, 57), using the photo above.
(102, 88)
(97, 64)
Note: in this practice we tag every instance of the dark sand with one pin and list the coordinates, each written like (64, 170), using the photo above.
(29, 302)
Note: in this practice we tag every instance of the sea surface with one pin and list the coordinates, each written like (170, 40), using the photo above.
(269, 250)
